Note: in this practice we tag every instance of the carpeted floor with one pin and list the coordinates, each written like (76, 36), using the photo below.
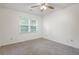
(39, 46)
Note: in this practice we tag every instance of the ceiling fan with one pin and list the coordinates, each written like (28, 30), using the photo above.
(43, 6)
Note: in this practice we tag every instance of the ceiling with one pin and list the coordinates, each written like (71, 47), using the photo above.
(26, 7)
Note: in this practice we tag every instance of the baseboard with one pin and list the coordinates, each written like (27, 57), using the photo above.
(62, 43)
(19, 41)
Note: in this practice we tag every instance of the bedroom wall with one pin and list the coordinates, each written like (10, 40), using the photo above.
(63, 26)
(9, 27)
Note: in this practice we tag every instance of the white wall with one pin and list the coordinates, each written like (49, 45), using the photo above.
(9, 27)
(63, 26)
(60, 26)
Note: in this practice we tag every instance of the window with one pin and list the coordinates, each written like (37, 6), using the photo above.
(28, 25)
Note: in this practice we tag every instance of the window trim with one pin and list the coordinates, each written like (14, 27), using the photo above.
(29, 26)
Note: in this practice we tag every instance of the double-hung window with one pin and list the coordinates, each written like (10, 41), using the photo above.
(28, 24)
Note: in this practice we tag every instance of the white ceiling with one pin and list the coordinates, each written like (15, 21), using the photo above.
(26, 7)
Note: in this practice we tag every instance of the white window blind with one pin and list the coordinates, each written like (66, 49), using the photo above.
(28, 24)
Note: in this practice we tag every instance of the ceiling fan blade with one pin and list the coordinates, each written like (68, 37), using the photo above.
(42, 4)
(35, 6)
(50, 7)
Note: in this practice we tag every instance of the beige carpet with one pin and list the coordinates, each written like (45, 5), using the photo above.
(39, 46)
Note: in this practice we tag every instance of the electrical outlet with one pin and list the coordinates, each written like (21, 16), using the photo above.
(71, 40)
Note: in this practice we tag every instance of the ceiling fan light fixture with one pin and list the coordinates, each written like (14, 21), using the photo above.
(43, 7)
